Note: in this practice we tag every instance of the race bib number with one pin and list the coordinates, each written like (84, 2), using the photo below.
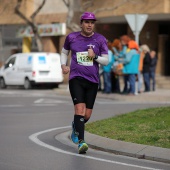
(84, 59)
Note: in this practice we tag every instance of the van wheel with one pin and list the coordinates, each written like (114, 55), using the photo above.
(2, 83)
(27, 84)
(57, 86)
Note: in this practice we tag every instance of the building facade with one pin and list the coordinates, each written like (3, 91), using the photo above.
(111, 23)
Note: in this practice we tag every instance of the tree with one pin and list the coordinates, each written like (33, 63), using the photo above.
(31, 22)
(75, 6)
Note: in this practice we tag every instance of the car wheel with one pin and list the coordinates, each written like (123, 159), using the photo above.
(2, 83)
(27, 84)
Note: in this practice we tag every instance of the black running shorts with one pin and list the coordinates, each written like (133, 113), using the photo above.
(83, 91)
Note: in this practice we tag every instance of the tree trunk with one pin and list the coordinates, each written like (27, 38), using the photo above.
(31, 22)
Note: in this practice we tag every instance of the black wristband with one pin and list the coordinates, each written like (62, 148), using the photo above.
(96, 57)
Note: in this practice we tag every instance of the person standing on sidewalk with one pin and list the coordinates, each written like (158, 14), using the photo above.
(124, 39)
(154, 59)
(88, 50)
(131, 65)
(146, 66)
(107, 71)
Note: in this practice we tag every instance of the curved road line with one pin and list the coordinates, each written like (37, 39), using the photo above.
(34, 138)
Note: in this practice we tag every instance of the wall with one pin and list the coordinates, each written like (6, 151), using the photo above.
(51, 6)
(52, 11)
(135, 6)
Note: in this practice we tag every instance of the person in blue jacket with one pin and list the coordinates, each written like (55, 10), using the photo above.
(124, 41)
(119, 51)
(107, 71)
(131, 65)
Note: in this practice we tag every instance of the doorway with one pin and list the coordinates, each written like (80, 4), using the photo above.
(164, 29)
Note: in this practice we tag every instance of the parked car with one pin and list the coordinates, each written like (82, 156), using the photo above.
(29, 69)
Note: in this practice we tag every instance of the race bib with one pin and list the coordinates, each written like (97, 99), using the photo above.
(84, 59)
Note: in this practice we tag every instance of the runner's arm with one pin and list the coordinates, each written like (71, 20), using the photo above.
(63, 61)
(104, 59)
(64, 56)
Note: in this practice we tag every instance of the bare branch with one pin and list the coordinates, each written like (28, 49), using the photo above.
(111, 8)
(73, 27)
(38, 9)
(66, 3)
(17, 11)
(5, 7)
(31, 23)
(136, 1)
(87, 4)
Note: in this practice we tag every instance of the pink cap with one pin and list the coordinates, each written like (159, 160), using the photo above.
(88, 16)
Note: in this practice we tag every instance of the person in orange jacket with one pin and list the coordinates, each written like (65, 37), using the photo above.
(140, 75)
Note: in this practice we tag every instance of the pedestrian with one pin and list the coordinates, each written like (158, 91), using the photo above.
(124, 39)
(107, 71)
(88, 50)
(140, 75)
(131, 65)
(146, 67)
(117, 53)
(154, 59)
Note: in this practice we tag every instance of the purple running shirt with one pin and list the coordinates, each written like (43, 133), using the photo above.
(81, 65)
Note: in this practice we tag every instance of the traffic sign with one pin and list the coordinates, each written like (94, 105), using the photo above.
(136, 23)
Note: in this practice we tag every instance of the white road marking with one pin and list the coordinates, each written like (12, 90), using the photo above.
(39, 101)
(42, 102)
(127, 102)
(11, 105)
(51, 101)
(45, 104)
(34, 138)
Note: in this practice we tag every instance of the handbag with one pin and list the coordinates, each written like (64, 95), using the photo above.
(117, 68)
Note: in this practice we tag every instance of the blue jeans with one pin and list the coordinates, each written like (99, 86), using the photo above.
(100, 83)
(152, 77)
(146, 81)
(115, 83)
(126, 89)
(140, 81)
(132, 80)
(107, 82)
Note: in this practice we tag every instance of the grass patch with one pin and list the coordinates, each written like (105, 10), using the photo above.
(148, 127)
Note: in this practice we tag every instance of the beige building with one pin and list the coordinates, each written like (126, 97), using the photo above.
(111, 23)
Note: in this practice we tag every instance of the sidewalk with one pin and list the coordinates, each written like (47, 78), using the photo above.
(160, 95)
(127, 148)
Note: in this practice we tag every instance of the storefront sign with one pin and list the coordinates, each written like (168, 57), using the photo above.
(43, 30)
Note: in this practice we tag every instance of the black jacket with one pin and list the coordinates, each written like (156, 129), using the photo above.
(146, 63)
(153, 64)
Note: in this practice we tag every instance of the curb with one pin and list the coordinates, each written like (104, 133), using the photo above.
(128, 149)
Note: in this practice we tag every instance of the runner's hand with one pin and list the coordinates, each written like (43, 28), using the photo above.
(65, 69)
(91, 53)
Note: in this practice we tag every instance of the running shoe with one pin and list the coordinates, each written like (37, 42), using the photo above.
(82, 147)
(74, 135)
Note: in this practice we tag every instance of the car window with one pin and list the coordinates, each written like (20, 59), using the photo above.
(10, 63)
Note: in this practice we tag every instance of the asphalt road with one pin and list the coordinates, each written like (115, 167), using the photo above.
(32, 124)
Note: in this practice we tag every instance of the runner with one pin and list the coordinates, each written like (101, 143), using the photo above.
(88, 50)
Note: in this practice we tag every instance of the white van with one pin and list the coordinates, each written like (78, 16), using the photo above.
(28, 69)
